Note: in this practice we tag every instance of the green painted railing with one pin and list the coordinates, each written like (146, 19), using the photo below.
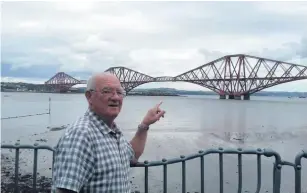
(183, 159)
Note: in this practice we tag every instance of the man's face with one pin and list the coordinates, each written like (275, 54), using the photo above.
(107, 99)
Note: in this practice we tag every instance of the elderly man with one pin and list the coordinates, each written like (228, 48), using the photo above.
(93, 155)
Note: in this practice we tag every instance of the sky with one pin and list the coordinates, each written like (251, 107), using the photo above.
(39, 39)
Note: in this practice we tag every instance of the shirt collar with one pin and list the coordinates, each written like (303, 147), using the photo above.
(101, 125)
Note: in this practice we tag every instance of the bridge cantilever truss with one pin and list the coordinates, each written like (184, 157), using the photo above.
(232, 75)
(243, 74)
(61, 82)
(130, 78)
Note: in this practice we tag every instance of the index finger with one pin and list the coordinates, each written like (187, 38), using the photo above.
(158, 105)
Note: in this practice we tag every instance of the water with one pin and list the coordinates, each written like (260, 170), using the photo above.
(191, 123)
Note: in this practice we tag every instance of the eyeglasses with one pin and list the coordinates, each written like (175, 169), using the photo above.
(110, 92)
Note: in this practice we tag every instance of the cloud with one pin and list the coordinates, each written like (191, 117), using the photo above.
(156, 38)
(303, 48)
(34, 71)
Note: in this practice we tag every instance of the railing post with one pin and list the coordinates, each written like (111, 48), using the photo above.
(183, 174)
(276, 177)
(298, 178)
(297, 169)
(146, 176)
(202, 173)
(16, 168)
(164, 175)
(221, 170)
(258, 172)
(53, 157)
(35, 166)
(240, 171)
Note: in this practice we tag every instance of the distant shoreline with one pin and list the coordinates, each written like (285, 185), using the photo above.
(183, 93)
(150, 94)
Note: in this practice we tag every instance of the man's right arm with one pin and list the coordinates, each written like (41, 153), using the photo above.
(74, 162)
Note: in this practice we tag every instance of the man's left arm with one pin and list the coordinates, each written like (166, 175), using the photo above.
(139, 140)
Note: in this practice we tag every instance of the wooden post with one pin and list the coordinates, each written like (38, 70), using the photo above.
(49, 105)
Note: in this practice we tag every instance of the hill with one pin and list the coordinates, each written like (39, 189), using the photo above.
(6, 86)
(187, 92)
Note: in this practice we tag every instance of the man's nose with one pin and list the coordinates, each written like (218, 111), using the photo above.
(115, 96)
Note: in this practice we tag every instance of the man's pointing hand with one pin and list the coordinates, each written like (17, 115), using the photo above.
(154, 114)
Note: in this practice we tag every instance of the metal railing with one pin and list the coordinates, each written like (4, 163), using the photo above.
(183, 159)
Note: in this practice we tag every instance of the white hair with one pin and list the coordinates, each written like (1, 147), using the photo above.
(91, 83)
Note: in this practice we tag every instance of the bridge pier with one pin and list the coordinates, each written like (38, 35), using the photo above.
(246, 97)
(222, 96)
(235, 97)
(238, 97)
(231, 96)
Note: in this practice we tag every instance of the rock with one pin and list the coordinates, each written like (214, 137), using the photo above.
(58, 128)
(42, 140)
(24, 180)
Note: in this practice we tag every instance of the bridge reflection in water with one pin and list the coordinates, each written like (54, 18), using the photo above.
(277, 167)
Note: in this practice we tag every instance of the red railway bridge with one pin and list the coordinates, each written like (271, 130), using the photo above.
(234, 76)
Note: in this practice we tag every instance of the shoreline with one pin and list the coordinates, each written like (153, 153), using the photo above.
(175, 95)
(150, 94)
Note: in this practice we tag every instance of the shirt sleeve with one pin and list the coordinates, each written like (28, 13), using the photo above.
(74, 161)
(131, 152)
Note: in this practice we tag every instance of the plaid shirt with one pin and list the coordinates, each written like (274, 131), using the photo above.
(91, 157)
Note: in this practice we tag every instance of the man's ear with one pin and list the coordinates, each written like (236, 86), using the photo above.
(88, 95)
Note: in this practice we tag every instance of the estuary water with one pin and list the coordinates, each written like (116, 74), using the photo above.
(191, 123)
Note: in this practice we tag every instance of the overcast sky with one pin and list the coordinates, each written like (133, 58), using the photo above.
(40, 39)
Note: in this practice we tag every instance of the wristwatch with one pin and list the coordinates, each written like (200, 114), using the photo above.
(143, 127)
